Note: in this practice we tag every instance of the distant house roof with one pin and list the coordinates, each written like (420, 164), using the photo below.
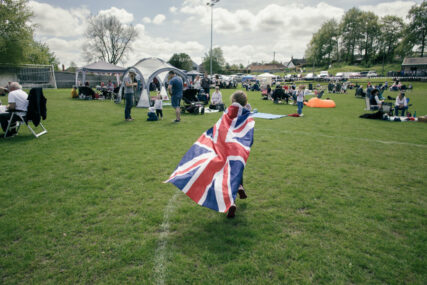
(266, 67)
(295, 62)
(414, 61)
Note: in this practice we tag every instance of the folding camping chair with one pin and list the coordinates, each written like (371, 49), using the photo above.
(19, 117)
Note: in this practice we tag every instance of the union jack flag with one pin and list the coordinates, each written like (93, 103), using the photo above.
(211, 171)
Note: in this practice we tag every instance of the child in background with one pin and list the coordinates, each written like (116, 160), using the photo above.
(158, 105)
(300, 99)
(151, 114)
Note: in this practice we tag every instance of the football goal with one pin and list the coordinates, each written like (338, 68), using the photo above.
(29, 75)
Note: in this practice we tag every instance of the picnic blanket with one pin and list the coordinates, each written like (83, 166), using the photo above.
(266, 116)
(210, 111)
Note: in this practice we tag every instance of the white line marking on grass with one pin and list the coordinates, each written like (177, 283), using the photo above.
(160, 255)
(341, 137)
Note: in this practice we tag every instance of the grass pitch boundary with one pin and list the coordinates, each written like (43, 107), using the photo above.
(161, 251)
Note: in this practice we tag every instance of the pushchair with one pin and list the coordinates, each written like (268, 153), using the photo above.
(192, 104)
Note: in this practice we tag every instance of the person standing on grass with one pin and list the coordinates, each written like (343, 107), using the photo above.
(158, 105)
(175, 89)
(129, 91)
(206, 83)
(300, 99)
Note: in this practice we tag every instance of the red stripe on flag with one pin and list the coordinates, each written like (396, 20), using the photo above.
(227, 198)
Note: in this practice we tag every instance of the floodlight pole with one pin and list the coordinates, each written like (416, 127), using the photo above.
(211, 4)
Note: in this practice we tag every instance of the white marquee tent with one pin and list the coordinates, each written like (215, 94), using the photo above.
(147, 69)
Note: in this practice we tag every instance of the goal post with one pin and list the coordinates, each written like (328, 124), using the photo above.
(29, 75)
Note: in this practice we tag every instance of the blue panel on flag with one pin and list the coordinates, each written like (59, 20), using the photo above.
(236, 174)
(209, 133)
(193, 152)
(210, 201)
(241, 119)
(247, 140)
(182, 180)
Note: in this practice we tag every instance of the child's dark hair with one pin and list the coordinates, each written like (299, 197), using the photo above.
(240, 97)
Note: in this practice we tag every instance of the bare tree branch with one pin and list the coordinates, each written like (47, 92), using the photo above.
(108, 39)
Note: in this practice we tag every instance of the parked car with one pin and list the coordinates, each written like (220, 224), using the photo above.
(372, 73)
(323, 74)
(354, 75)
(309, 76)
(364, 73)
(339, 75)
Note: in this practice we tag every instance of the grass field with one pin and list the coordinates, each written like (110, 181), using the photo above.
(333, 199)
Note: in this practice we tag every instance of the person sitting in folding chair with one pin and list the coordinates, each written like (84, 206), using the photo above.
(32, 108)
(401, 104)
(17, 101)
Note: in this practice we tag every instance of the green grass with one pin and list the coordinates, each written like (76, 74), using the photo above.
(333, 199)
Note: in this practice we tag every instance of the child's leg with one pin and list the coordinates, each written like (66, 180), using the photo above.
(241, 191)
(159, 113)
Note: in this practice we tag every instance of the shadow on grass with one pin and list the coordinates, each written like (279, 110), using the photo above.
(217, 237)
(17, 139)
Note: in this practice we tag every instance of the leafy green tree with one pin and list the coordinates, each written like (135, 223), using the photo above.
(39, 53)
(391, 35)
(351, 29)
(181, 61)
(416, 31)
(370, 36)
(15, 34)
(218, 61)
(323, 46)
(17, 45)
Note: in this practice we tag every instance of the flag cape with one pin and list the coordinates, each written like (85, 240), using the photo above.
(212, 169)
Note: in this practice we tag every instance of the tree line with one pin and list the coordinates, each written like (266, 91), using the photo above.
(364, 37)
(17, 44)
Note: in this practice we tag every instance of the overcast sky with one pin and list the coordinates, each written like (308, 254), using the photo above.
(246, 30)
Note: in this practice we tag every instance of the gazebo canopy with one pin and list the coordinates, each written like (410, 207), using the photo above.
(148, 69)
(99, 67)
(104, 67)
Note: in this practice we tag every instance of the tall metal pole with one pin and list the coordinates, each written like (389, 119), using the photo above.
(211, 37)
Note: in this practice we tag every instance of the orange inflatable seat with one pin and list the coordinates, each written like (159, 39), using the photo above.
(319, 103)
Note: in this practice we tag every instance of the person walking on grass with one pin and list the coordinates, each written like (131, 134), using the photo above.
(129, 90)
(175, 89)
(300, 99)
(224, 150)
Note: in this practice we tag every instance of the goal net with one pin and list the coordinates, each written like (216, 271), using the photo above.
(29, 75)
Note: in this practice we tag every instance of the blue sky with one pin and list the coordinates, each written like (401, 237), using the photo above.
(246, 30)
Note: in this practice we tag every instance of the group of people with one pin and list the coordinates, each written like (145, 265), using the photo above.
(86, 92)
(175, 89)
(375, 96)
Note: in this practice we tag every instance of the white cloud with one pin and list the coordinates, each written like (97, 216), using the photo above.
(158, 19)
(397, 8)
(66, 50)
(247, 36)
(146, 20)
(124, 16)
(54, 21)
(251, 32)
